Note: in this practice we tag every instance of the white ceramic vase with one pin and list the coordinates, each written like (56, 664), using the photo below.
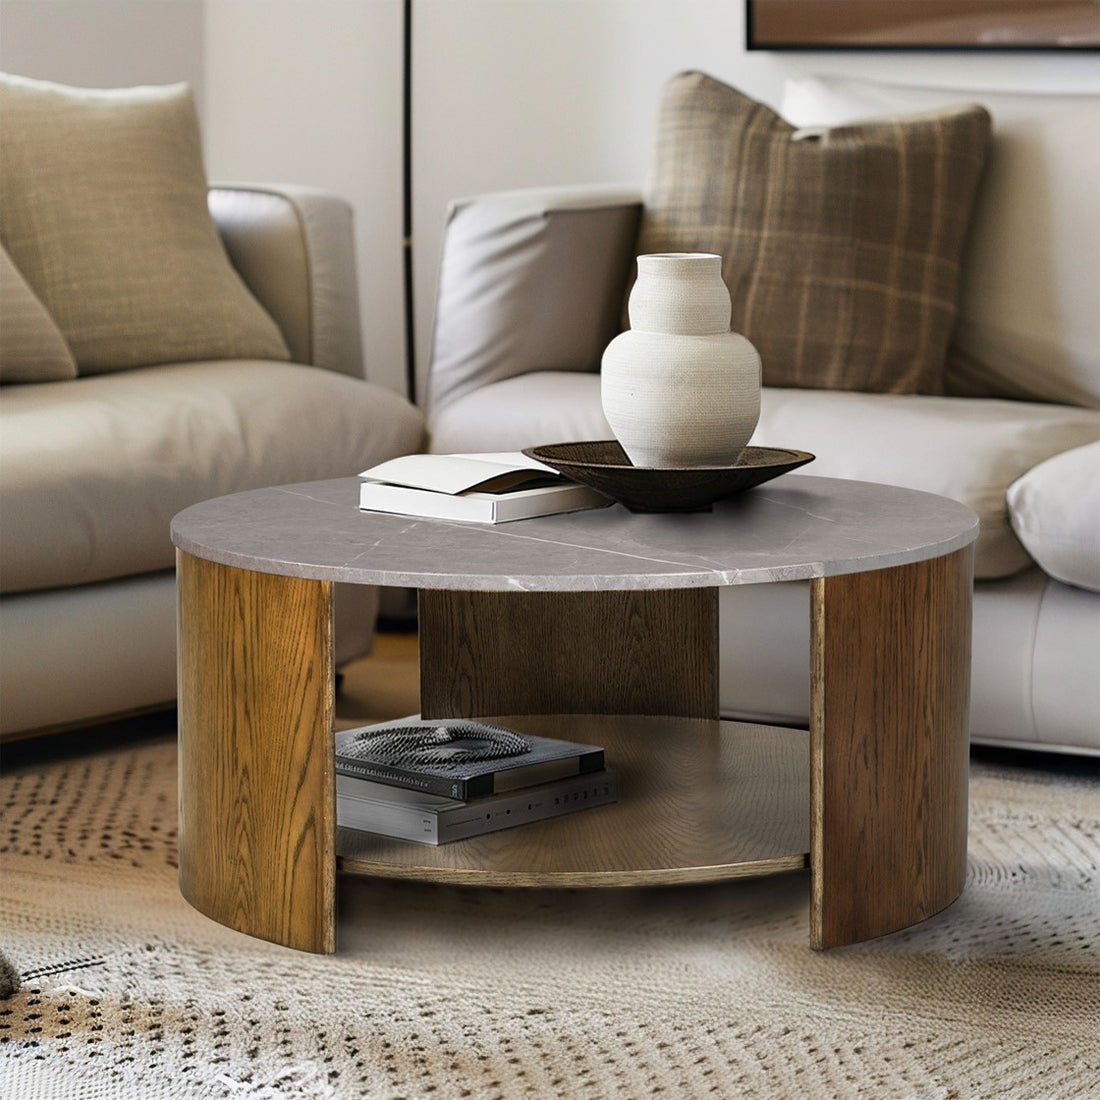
(678, 388)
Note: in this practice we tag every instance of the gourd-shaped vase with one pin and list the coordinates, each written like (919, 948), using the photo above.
(678, 388)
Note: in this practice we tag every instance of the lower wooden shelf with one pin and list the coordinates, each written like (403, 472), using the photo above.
(699, 801)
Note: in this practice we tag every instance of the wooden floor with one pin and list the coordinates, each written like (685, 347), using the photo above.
(383, 685)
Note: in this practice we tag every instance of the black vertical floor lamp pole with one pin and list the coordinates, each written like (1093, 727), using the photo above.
(406, 201)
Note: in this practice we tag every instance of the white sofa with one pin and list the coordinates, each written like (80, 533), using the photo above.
(531, 290)
(162, 341)
(92, 470)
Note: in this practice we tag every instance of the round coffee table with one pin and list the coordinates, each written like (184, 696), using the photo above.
(597, 626)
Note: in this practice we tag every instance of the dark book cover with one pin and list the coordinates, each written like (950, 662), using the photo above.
(459, 758)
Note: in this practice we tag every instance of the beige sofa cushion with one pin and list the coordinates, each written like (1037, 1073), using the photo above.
(32, 348)
(1055, 512)
(841, 249)
(92, 471)
(546, 406)
(970, 449)
(103, 209)
(1028, 320)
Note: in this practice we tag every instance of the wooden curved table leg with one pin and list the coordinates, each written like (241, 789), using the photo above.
(889, 719)
(257, 832)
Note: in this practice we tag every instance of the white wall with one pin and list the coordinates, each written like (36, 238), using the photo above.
(507, 93)
(103, 43)
(309, 91)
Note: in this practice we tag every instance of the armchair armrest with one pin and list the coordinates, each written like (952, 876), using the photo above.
(529, 280)
(295, 248)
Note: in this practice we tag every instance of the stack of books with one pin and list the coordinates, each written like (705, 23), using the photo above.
(438, 781)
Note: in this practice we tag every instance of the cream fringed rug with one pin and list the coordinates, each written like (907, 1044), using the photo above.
(441, 992)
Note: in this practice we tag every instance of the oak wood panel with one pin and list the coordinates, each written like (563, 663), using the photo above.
(889, 715)
(699, 801)
(257, 788)
(650, 652)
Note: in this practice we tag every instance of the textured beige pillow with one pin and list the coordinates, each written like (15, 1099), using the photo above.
(103, 210)
(841, 248)
(31, 348)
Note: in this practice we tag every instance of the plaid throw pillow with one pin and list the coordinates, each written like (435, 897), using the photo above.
(841, 247)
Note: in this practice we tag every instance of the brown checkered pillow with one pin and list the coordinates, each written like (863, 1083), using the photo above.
(841, 247)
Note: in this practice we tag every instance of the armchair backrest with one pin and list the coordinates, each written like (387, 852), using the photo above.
(529, 280)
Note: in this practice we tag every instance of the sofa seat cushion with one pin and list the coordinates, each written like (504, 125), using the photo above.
(92, 470)
(526, 411)
(970, 449)
(1055, 511)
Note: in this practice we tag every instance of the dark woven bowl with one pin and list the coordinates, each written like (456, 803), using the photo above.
(603, 465)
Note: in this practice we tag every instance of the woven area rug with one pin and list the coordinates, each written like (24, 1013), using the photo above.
(445, 992)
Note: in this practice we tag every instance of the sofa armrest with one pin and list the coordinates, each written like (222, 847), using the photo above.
(529, 280)
(294, 247)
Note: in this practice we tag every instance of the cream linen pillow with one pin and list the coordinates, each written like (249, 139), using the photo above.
(103, 210)
(1055, 511)
(31, 348)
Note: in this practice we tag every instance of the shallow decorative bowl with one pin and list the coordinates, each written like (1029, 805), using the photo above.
(604, 466)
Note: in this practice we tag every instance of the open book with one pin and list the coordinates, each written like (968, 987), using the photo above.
(483, 488)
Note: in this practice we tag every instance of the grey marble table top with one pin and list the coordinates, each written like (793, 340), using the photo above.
(790, 529)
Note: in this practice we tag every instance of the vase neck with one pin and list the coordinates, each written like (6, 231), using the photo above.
(680, 265)
(680, 292)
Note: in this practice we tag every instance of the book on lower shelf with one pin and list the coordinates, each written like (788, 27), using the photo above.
(493, 487)
(431, 819)
(459, 758)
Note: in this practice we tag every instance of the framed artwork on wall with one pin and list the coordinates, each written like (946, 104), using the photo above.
(923, 24)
